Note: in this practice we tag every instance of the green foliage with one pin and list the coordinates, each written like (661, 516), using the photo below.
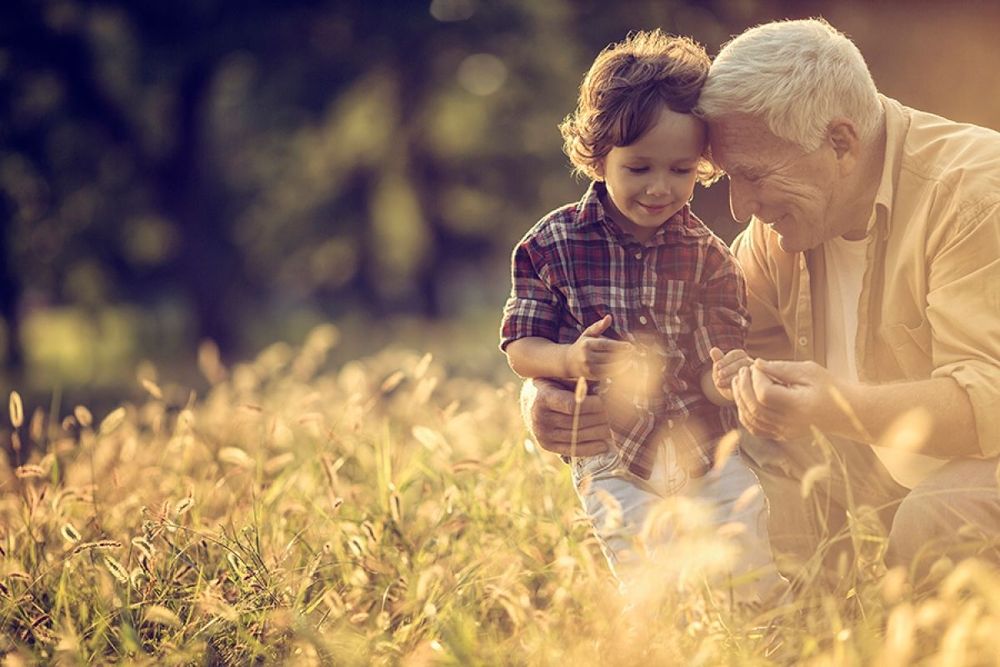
(211, 166)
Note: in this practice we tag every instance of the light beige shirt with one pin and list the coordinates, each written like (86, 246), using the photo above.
(930, 297)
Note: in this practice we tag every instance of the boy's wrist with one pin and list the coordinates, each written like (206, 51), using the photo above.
(564, 360)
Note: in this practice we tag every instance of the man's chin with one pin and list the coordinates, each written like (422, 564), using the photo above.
(788, 245)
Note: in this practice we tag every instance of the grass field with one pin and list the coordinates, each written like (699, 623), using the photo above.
(383, 511)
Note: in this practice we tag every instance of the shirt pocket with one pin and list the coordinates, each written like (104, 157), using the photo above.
(911, 345)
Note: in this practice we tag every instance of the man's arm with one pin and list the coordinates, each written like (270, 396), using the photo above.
(782, 399)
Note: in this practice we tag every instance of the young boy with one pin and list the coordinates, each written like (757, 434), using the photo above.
(628, 289)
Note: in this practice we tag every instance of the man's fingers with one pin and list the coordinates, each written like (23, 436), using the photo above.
(750, 420)
(592, 435)
(785, 372)
(758, 419)
(554, 400)
(584, 434)
(769, 393)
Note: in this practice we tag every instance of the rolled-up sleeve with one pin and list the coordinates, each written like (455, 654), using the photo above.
(963, 311)
(533, 308)
(721, 315)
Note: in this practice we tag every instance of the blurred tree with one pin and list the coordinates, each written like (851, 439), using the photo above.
(222, 165)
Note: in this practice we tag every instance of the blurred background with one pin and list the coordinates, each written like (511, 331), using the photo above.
(238, 172)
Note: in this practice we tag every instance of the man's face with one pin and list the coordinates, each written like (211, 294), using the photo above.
(778, 182)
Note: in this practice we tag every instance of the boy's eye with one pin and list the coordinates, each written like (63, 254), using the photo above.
(683, 170)
(637, 170)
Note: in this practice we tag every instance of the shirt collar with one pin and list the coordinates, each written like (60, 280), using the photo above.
(895, 133)
(591, 212)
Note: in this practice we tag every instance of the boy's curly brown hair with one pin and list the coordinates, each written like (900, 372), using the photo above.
(622, 95)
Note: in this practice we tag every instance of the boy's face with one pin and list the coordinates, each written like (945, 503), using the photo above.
(651, 179)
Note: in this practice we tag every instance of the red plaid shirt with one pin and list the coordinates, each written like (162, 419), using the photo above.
(674, 297)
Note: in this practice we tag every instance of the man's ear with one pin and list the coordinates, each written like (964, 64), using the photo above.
(844, 140)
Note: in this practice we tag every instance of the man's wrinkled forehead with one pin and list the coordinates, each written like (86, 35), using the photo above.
(743, 140)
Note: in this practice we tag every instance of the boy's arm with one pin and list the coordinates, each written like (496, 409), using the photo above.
(592, 356)
(536, 357)
(722, 320)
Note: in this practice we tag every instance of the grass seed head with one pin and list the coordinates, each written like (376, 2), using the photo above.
(29, 471)
(70, 533)
(112, 421)
(161, 615)
(16, 410)
(153, 388)
(83, 416)
(116, 569)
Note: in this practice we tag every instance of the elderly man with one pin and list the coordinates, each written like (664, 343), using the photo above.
(872, 258)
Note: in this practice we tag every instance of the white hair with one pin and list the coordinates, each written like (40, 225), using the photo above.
(796, 76)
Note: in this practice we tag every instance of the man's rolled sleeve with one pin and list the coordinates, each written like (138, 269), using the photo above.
(981, 382)
(532, 309)
(721, 314)
(963, 312)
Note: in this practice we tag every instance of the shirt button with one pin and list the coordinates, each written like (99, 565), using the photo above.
(638, 255)
(670, 423)
(642, 319)
(803, 341)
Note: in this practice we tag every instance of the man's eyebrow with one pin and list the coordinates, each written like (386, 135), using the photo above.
(737, 169)
(745, 169)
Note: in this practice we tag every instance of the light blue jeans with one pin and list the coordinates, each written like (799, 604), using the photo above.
(681, 530)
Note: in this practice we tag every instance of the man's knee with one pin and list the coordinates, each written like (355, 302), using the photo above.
(956, 513)
(915, 529)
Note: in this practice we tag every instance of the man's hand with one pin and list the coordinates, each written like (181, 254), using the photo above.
(547, 408)
(782, 399)
(594, 357)
(725, 368)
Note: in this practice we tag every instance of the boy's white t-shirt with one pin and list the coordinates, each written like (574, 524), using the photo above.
(845, 270)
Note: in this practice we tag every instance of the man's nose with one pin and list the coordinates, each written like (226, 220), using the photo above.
(742, 203)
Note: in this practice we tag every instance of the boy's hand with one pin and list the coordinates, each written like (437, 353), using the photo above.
(725, 368)
(594, 357)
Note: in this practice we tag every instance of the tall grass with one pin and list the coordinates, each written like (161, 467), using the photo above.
(383, 512)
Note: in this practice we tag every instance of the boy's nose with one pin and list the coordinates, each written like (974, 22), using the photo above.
(658, 188)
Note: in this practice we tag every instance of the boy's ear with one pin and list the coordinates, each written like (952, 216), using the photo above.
(599, 169)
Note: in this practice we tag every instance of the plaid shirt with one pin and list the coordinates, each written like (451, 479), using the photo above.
(674, 297)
